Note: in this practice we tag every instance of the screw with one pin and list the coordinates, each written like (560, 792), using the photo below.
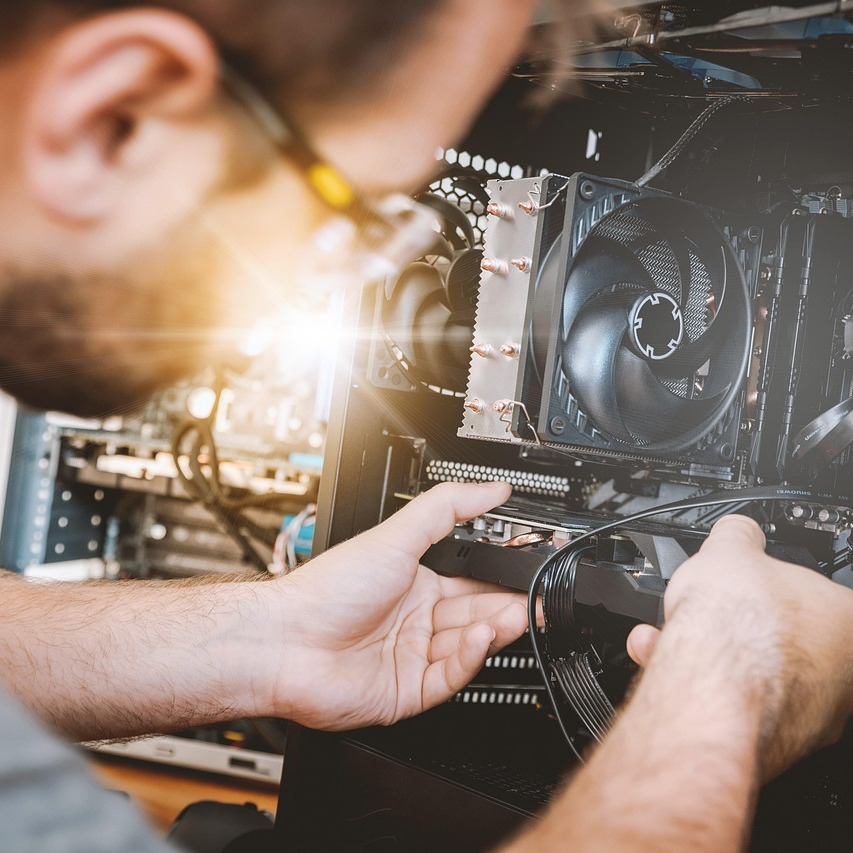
(754, 234)
(475, 404)
(522, 264)
(558, 425)
(499, 209)
(587, 190)
(510, 350)
(493, 265)
(766, 274)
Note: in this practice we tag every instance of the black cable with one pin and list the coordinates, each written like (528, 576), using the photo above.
(769, 494)
(559, 588)
(209, 491)
(537, 653)
(687, 137)
(203, 488)
(573, 675)
(232, 525)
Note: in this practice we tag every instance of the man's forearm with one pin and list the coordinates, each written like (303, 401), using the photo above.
(108, 660)
(678, 772)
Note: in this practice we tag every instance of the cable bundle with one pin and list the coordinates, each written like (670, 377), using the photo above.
(581, 689)
(193, 442)
(558, 599)
(566, 660)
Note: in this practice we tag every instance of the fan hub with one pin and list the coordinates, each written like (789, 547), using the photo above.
(656, 326)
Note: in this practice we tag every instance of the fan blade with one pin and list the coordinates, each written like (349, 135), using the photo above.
(463, 279)
(441, 345)
(589, 358)
(416, 285)
(666, 220)
(600, 264)
(456, 226)
(473, 186)
(430, 335)
(687, 231)
(723, 329)
(649, 411)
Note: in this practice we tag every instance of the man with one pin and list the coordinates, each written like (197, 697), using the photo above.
(145, 211)
(143, 205)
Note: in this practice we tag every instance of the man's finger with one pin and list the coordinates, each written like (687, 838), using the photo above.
(735, 531)
(641, 643)
(432, 515)
(466, 586)
(447, 676)
(509, 624)
(467, 609)
(451, 587)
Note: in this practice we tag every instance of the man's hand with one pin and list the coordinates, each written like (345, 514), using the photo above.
(782, 632)
(751, 671)
(371, 636)
(361, 635)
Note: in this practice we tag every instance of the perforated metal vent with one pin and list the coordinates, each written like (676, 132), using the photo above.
(525, 482)
(478, 170)
(475, 695)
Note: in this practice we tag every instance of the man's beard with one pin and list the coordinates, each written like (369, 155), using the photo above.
(93, 343)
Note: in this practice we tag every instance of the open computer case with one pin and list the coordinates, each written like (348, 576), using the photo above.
(642, 294)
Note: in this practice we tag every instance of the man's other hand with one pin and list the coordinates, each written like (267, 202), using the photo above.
(778, 631)
(369, 636)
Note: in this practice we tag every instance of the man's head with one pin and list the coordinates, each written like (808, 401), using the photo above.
(141, 205)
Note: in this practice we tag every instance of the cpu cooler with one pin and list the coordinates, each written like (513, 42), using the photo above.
(637, 323)
(653, 297)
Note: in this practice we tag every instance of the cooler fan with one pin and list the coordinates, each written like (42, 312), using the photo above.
(655, 330)
(428, 310)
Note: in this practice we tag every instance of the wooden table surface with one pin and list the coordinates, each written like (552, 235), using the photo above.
(162, 792)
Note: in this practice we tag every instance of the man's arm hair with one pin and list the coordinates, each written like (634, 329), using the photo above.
(679, 771)
(117, 659)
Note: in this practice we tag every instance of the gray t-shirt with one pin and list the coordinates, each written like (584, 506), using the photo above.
(50, 802)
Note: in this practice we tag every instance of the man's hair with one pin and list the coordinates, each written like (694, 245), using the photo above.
(299, 50)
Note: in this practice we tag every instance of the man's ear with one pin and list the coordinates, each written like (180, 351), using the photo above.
(106, 94)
